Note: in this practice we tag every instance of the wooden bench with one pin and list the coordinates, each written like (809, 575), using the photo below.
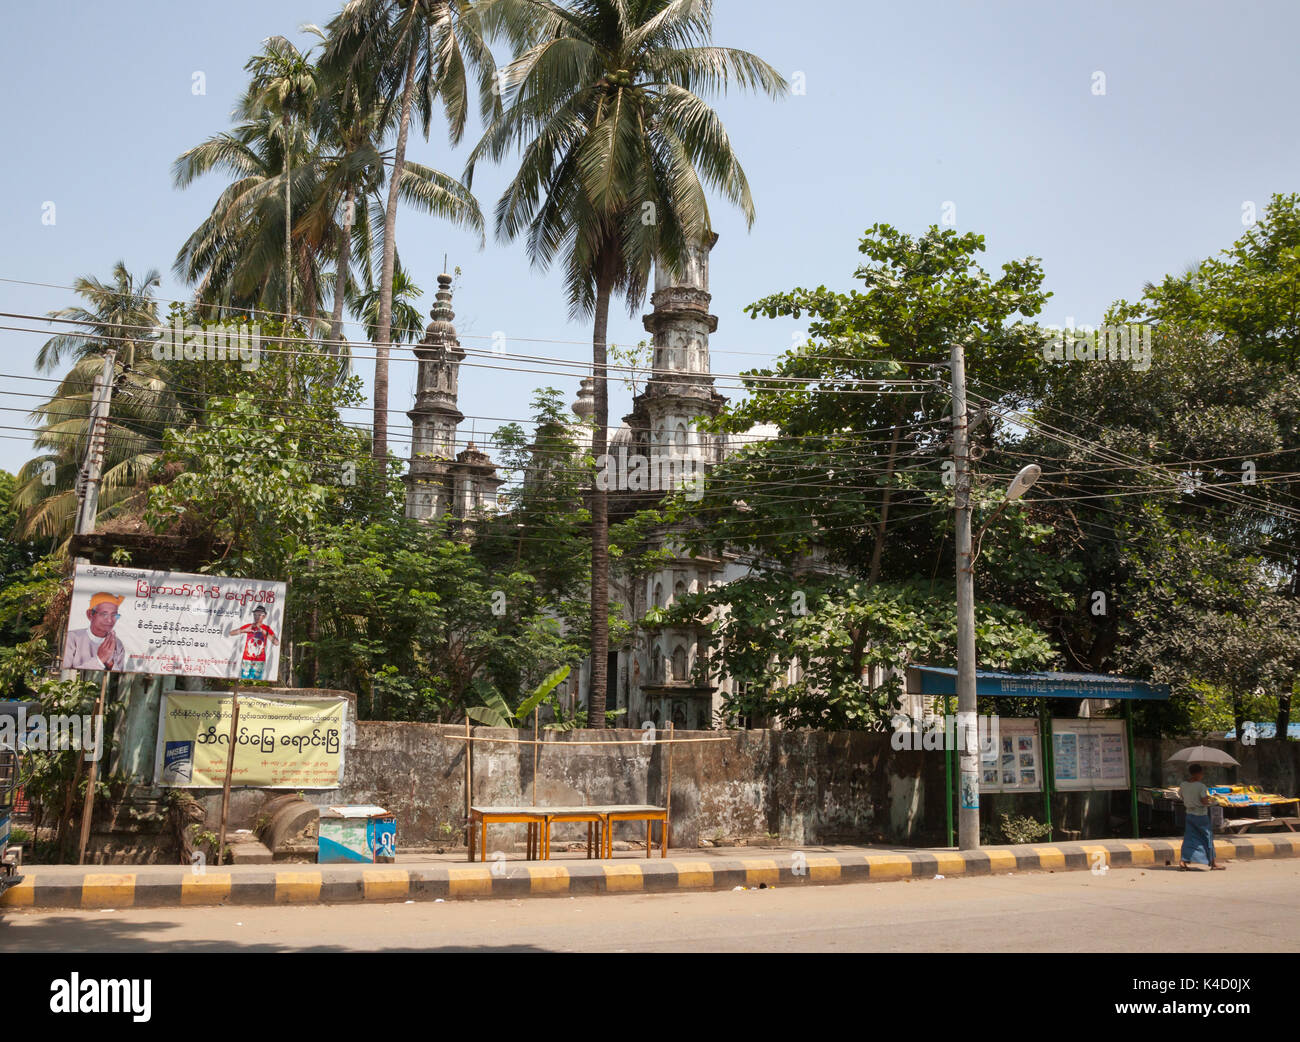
(1240, 825)
(481, 817)
(599, 819)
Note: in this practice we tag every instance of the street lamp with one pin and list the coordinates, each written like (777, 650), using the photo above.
(968, 754)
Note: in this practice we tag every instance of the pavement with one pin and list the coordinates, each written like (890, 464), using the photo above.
(1158, 913)
(431, 878)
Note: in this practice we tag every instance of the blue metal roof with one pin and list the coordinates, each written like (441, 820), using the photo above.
(940, 680)
(1268, 730)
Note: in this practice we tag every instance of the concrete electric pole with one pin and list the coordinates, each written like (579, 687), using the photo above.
(968, 758)
(92, 470)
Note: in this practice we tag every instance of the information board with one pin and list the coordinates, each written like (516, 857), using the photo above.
(1014, 764)
(1090, 754)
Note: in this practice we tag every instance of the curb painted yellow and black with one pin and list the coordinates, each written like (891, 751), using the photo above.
(101, 887)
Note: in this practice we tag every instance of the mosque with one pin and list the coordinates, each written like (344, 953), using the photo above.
(652, 674)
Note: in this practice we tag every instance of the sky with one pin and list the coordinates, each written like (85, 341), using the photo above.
(1117, 142)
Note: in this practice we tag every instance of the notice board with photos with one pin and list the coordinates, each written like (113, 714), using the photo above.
(1090, 754)
(1012, 761)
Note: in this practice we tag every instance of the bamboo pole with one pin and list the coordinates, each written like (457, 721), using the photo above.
(668, 803)
(525, 741)
(469, 776)
(65, 823)
(230, 770)
(536, 751)
(88, 807)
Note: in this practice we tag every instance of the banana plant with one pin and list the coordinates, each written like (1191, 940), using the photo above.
(496, 712)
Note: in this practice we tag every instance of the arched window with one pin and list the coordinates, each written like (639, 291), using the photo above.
(679, 439)
(679, 663)
(659, 595)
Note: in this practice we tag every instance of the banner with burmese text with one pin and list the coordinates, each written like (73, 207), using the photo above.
(127, 620)
(280, 743)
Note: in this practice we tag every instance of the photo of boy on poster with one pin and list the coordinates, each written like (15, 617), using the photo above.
(256, 634)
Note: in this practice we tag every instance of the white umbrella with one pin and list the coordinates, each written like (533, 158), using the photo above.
(1203, 754)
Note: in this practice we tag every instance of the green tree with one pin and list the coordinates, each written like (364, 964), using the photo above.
(1250, 292)
(1201, 442)
(270, 463)
(850, 469)
(1207, 615)
(617, 149)
(821, 652)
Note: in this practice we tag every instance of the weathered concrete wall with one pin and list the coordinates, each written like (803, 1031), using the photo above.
(803, 786)
(800, 786)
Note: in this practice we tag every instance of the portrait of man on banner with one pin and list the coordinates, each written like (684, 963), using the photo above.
(96, 646)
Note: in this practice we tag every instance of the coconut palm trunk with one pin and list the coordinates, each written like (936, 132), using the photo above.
(341, 278)
(600, 506)
(386, 272)
(288, 225)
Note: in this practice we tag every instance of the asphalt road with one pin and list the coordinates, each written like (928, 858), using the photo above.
(1252, 907)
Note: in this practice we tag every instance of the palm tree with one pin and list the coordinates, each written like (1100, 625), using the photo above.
(407, 322)
(407, 54)
(284, 84)
(231, 255)
(616, 150)
(119, 314)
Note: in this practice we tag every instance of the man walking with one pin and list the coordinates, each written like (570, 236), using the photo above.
(1198, 836)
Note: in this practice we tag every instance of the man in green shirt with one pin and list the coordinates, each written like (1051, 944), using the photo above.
(1198, 836)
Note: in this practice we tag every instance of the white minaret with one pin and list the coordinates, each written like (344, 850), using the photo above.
(429, 484)
(680, 390)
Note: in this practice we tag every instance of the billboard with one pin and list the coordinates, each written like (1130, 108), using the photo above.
(281, 743)
(127, 620)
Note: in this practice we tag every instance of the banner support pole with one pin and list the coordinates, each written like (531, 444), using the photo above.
(88, 807)
(230, 768)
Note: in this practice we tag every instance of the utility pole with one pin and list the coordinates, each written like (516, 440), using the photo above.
(93, 465)
(92, 469)
(968, 819)
(88, 510)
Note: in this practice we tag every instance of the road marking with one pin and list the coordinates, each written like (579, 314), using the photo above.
(210, 888)
(297, 886)
(385, 884)
(823, 868)
(761, 870)
(20, 895)
(1001, 860)
(888, 866)
(950, 864)
(548, 879)
(469, 882)
(693, 873)
(108, 889)
(1140, 853)
(623, 877)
